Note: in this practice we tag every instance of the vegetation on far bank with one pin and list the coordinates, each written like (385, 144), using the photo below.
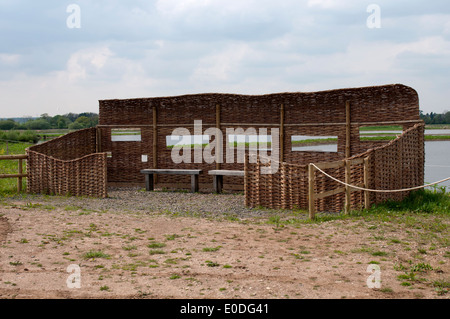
(435, 118)
(70, 121)
(31, 137)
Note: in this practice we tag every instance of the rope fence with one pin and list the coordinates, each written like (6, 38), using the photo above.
(378, 174)
(379, 190)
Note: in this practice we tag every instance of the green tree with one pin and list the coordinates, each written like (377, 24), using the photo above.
(84, 121)
(447, 118)
(7, 125)
(39, 124)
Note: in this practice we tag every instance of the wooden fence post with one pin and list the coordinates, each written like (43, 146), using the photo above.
(20, 175)
(19, 179)
(282, 133)
(98, 145)
(366, 183)
(311, 199)
(155, 142)
(219, 154)
(348, 130)
(347, 188)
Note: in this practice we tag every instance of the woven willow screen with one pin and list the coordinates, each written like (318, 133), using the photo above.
(396, 165)
(68, 165)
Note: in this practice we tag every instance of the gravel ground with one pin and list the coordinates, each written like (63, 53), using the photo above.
(177, 203)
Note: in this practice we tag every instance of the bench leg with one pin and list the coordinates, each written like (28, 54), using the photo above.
(218, 183)
(194, 183)
(149, 182)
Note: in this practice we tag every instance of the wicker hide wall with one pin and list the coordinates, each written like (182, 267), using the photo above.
(70, 146)
(68, 165)
(317, 114)
(398, 164)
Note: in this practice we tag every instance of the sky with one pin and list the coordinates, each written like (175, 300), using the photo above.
(61, 56)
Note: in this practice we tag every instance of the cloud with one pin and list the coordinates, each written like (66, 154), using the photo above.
(9, 59)
(86, 61)
(168, 47)
(207, 20)
(334, 4)
(222, 66)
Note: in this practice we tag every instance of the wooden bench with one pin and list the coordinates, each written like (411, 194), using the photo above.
(218, 177)
(149, 176)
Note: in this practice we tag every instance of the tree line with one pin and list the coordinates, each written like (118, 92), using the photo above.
(70, 121)
(435, 118)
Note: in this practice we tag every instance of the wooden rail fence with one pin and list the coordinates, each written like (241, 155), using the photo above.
(20, 175)
(347, 164)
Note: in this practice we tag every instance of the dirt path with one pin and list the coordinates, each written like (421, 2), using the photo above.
(4, 229)
(142, 255)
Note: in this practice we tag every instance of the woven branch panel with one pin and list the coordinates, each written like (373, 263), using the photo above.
(398, 164)
(68, 165)
(69, 146)
(315, 114)
(286, 189)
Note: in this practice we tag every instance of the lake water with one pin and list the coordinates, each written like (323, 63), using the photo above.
(316, 148)
(437, 162)
(427, 132)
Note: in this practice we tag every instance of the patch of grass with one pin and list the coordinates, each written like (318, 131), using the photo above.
(315, 140)
(171, 261)
(386, 290)
(172, 237)
(406, 284)
(210, 263)
(211, 249)
(134, 266)
(442, 287)
(422, 202)
(92, 254)
(156, 245)
(179, 146)
(381, 128)
(379, 253)
(421, 267)
(409, 277)
(422, 251)
(400, 267)
(157, 252)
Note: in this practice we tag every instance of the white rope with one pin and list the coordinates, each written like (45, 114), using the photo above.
(378, 190)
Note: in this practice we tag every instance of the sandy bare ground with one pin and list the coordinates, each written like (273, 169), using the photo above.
(152, 255)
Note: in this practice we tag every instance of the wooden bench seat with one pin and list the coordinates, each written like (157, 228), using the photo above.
(149, 185)
(218, 177)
